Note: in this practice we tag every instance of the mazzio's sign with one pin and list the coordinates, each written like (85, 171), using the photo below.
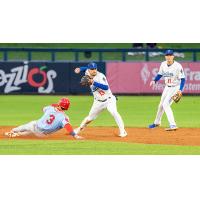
(38, 77)
(42, 78)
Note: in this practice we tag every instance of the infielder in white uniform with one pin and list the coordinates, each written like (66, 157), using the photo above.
(174, 77)
(103, 98)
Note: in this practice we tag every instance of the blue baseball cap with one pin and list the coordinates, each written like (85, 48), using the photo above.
(92, 65)
(169, 52)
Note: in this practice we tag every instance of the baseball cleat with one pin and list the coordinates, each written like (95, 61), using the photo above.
(78, 137)
(77, 130)
(11, 134)
(172, 128)
(153, 125)
(124, 134)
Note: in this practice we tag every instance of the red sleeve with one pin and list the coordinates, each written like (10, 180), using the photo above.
(69, 128)
(54, 105)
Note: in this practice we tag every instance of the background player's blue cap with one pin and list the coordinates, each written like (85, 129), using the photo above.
(92, 65)
(169, 52)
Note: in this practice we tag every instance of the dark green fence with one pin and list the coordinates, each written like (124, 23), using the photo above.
(77, 55)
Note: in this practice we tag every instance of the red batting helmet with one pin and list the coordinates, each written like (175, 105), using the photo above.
(64, 103)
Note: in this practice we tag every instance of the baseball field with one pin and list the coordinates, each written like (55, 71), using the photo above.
(100, 138)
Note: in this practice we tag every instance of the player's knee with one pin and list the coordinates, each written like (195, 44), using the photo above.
(165, 105)
(90, 118)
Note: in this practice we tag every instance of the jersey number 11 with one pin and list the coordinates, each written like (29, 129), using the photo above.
(169, 80)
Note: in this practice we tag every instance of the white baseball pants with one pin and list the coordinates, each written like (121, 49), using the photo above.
(165, 105)
(28, 129)
(98, 107)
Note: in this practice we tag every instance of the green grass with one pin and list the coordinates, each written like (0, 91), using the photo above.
(136, 111)
(49, 147)
(106, 56)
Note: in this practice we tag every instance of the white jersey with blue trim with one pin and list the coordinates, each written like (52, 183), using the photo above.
(52, 120)
(98, 93)
(172, 73)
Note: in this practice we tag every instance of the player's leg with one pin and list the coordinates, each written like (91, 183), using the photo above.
(22, 130)
(160, 110)
(159, 114)
(25, 129)
(95, 110)
(167, 107)
(112, 108)
(169, 112)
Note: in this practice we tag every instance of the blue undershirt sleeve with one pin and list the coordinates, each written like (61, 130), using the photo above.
(182, 84)
(158, 77)
(84, 68)
(101, 86)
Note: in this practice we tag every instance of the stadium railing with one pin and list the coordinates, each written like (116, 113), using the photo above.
(76, 53)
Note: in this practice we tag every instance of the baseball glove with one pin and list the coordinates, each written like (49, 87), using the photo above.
(176, 98)
(85, 81)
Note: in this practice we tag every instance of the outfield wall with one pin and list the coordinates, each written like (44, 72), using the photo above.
(59, 77)
(135, 77)
(42, 78)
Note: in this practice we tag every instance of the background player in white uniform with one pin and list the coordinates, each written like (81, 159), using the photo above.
(52, 120)
(103, 98)
(173, 74)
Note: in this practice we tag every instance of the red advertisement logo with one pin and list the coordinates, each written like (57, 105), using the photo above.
(37, 72)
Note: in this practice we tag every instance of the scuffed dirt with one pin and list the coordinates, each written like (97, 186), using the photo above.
(183, 136)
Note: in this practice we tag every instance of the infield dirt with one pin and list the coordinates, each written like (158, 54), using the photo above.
(182, 136)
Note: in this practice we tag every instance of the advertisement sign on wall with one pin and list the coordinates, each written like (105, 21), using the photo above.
(42, 78)
(135, 77)
(33, 77)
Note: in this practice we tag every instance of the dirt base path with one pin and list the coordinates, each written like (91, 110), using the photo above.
(183, 136)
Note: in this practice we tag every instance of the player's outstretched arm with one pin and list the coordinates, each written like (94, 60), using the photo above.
(80, 69)
(70, 130)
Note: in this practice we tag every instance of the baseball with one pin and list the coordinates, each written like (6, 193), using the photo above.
(77, 70)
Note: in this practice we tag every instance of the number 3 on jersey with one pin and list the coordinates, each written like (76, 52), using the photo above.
(50, 119)
(101, 92)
